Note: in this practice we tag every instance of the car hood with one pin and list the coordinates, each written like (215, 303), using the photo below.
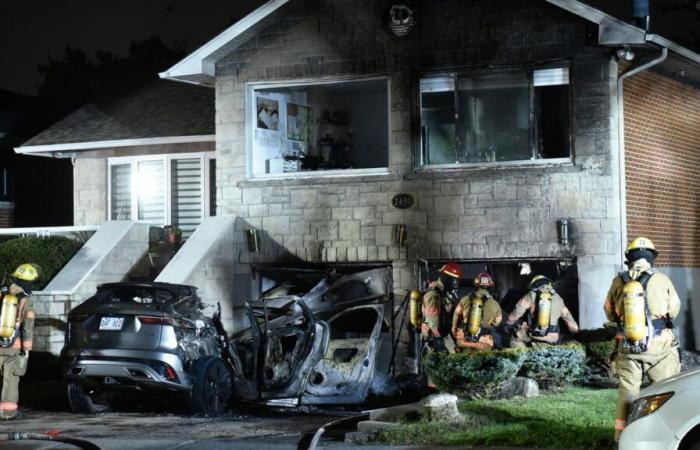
(677, 383)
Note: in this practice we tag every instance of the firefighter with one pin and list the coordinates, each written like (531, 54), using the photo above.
(16, 332)
(541, 307)
(435, 307)
(475, 316)
(643, 304)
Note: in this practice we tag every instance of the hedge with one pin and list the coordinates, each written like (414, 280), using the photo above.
(480, 374)
(49, 253)
(554, 365)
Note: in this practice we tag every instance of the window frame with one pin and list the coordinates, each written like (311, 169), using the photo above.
(417, 156)
(251, 118)
(205, 158)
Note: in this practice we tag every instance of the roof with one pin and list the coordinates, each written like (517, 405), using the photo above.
(154, 113)
(682, 63)
(199, 67)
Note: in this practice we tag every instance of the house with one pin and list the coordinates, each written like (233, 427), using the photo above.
(521, 136)
(147, 154)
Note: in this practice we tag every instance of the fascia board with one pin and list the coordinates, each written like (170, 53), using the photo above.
(51, 149)
(203, 60)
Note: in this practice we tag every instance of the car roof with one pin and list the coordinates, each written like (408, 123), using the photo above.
(148, 285)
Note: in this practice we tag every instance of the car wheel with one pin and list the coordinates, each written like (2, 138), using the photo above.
(86, 402)
(691, 441)
(212, 386)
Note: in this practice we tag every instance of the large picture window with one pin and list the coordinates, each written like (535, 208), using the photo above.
(502, 117)
(161, 190)
(298, 129)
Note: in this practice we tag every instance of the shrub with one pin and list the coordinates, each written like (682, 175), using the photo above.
(473, 374)
(600, 350)
(554, 365)
(49, 253)
(483, 374)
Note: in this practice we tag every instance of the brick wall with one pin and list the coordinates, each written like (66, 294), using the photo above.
(478, 214)
(662, 156)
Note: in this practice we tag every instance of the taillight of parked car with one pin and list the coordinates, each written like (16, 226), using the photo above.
(150, 320)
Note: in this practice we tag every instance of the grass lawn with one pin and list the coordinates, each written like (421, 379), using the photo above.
(575, 418)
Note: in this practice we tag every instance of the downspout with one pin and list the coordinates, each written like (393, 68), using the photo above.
(621, 141)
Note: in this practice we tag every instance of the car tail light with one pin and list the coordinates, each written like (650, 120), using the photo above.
(150, 320)
(165, 371)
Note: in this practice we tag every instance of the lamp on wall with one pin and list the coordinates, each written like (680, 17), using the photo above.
(253, 241)
(563, 231)
(400, 235)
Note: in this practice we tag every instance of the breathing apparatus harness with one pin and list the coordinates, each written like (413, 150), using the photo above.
(543, 317)
(637, 330)
(472, 321)
(10, 312)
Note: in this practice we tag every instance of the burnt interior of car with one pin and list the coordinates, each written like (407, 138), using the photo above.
(286, 335)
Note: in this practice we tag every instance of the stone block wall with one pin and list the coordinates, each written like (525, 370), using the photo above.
(89, 191)
(7, 214)
(468, 214)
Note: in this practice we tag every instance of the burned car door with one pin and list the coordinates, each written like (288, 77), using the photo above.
(345, 372)
(292, 342)
(244, 355)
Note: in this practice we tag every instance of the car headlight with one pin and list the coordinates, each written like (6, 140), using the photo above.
(647, 405)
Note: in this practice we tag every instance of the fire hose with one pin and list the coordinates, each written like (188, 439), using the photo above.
(49, 436)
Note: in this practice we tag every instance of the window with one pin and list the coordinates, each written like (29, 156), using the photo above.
(160, 190)
(495, 117)
(322, 127)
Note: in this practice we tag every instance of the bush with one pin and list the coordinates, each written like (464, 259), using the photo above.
(473, 374)
(600, 350)
(482, 374)
(554, 365)
(49, 253)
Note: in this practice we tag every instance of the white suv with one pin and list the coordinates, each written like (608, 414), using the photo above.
(666, 415)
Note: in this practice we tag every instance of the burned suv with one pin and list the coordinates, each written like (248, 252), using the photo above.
(146, 337)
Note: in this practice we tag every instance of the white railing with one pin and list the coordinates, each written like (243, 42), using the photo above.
(47, 231)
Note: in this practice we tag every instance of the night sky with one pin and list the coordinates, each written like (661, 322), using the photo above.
(31, 31)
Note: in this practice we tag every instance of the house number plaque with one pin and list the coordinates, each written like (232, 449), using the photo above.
(402, 201)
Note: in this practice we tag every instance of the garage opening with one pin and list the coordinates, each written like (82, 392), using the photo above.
(512, 277)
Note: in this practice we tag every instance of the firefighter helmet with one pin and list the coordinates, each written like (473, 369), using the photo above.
(538, 281)
(483, 280)
(451, 269)
(26, 272)
(641, 243)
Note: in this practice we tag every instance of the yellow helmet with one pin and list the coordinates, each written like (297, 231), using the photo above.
(641, 243)
(538, 281)
(26, 272)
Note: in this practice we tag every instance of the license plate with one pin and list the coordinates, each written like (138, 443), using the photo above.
(111, 323)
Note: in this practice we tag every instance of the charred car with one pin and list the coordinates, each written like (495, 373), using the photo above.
(312, 339)
(146, 337)
(315, 337)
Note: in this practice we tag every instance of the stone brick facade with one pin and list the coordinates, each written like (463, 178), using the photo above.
(469, 214)
(89, 191)
(7, 214)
